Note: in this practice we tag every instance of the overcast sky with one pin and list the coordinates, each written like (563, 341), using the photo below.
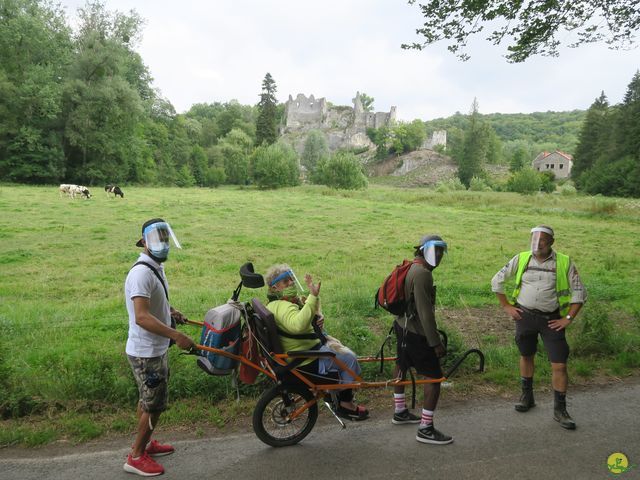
(218, 50)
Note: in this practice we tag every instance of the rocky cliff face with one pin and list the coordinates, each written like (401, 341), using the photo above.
(422, 167)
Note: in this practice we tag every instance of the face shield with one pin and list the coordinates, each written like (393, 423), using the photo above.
(433, 251)
(541, 240)
(288, 274)
(156, 238)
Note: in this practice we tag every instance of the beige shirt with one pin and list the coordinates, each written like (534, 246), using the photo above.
(538, 289)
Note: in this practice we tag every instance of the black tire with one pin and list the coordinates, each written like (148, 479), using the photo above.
(270, 422)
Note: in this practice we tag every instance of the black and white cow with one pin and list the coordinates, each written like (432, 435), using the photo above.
(114, 189)
(66, 189)
(82, 191)
(72, 190)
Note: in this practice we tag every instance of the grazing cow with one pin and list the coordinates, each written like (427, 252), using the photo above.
(115, 190)
(81, 190)
(65, 188)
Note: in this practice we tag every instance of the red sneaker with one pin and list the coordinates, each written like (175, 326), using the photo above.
(157, 449)
(145, 466)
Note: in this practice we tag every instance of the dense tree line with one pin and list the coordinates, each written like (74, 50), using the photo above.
(533, 132)
(79, 107)
(607, 159)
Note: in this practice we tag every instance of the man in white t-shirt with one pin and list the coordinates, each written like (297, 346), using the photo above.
(151, 321)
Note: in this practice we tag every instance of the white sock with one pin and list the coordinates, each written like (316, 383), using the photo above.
(427, 418)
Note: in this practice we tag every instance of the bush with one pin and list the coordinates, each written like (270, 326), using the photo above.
(567, 189)
(184, 177)
(342, 170)
(441, 149)
(214, 176)
(547, 184)
(275, 166)
(527, 181)
(451, 185)
(478, 184)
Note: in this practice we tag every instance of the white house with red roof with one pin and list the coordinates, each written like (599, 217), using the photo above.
(559, 163)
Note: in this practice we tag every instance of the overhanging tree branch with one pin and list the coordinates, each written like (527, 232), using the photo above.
(528, 27)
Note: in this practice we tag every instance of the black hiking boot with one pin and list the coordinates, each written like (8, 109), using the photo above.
(526, 399)
(560, 413)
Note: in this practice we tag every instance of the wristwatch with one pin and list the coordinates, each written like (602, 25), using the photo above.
(569, 317)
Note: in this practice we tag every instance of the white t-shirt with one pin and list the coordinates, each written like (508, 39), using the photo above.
(142, 282)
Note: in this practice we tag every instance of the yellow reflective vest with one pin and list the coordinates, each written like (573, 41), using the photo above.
(562, 279)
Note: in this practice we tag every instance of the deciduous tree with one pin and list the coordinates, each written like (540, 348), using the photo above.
(529, 27)
(315, 149)
(35, 50)
(367, 102)
(103, 95)
(275, 166)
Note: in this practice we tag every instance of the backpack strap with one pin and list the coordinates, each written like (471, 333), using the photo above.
(164, 287)
(157, 274)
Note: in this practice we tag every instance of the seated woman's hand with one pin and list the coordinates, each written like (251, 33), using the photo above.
(313, 288)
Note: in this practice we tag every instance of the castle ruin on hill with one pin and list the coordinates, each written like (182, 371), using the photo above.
(343, 126)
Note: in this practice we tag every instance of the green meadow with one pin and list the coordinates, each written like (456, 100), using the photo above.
(63, 371)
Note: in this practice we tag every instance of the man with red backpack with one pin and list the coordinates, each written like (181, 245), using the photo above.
(418, 341)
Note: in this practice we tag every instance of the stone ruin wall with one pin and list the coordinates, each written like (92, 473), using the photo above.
(343, 126)
(305, 112)
(439, 137)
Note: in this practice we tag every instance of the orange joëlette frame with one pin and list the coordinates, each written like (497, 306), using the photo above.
(281, 358)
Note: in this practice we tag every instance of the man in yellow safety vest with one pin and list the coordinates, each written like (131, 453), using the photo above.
(547, 297)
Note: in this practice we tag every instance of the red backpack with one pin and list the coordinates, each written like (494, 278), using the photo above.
(390, 295)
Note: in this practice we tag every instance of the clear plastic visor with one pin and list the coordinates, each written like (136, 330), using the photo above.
(434, 251)
(285, 275)
(156, 236)
(540, 242)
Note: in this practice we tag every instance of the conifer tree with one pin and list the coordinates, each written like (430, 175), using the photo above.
(266, 124)
(593, 138)
(474, 147)
(628, 138)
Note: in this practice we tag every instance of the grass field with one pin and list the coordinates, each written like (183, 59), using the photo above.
(63, 372)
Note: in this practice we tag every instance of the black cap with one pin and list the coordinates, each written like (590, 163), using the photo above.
(140, 243)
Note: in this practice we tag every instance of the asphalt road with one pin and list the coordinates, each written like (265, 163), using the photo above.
(492, 441)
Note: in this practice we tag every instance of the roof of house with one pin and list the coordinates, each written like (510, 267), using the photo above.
(544, 155)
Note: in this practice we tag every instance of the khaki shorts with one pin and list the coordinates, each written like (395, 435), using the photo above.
(152, 375)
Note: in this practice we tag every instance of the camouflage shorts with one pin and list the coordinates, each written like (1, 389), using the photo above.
(151, 376)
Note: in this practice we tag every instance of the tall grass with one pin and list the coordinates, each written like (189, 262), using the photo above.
(63, 264)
